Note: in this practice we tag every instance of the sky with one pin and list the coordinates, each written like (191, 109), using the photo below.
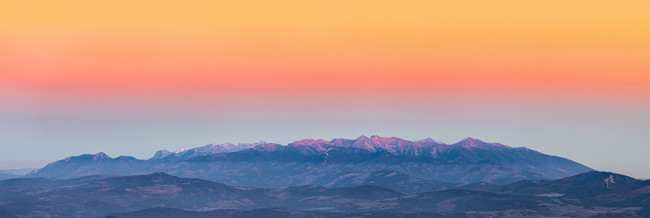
(129, 77)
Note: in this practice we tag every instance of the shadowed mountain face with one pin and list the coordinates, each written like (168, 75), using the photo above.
(332, 163)
(163, 195)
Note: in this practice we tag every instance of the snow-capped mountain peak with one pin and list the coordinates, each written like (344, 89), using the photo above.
(203, 150)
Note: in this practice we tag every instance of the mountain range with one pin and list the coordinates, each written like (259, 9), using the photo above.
(363, 177)
(425, 165)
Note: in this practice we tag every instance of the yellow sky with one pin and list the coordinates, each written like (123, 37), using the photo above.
(406, 27)
(603, 41)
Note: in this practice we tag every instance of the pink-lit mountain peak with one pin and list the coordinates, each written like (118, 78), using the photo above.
(267, 147)
(392, 144)
(375, 143)
(379, 139)
(309, 142)
(311, 145)
(362, 139)
(363, 142)
(101, 156)
(341, 142)
(431, 141)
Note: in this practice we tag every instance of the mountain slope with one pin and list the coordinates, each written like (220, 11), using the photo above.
(97, 196)
(389, 179)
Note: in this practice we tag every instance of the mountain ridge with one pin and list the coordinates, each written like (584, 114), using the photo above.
(372, 143)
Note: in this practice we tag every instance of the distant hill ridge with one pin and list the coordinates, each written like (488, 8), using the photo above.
(163, 195)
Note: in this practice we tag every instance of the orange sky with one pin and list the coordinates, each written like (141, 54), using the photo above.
(246, 47)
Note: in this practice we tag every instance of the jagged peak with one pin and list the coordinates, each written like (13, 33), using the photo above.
(363, 142)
